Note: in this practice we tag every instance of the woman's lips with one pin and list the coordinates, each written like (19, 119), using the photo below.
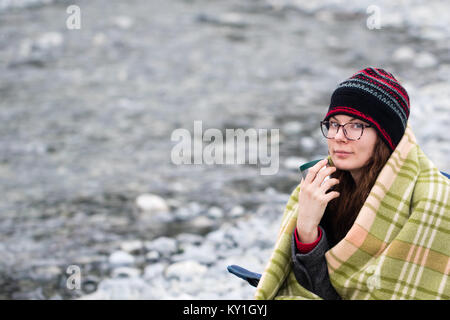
(342, 154)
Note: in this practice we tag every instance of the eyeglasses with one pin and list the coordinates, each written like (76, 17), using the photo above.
(352, 130)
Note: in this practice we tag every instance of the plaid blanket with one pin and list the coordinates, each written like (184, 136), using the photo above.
(398, 247)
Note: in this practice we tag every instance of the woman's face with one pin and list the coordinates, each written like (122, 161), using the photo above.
(351, 155)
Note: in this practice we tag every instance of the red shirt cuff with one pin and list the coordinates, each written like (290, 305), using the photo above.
(307, 247)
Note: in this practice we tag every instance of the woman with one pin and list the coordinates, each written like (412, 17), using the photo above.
(378, 228)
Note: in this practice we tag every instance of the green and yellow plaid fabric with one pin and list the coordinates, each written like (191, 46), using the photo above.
(398, 247)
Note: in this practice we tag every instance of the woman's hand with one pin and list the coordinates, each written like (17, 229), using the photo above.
(313, 200)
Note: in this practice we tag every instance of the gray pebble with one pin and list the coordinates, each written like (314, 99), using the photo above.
(125, 272)
(121, 258)
(164, 245)
(154, 271)
(185, 270)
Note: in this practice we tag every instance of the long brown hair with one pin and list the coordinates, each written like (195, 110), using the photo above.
(342, 211)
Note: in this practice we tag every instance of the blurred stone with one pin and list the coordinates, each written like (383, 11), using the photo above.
(121, 289)
(151, 202)
(434, 34)
(202, 222)
(307, 144)
(185, 270)
(215, 213)
(154, 271)
(294, 163)
(125, 272)
(403, 54)
(121, 258)
(205, 253)
(99, 39)
(189, 238)
(237, 211)
(292, 128)
(189, 211)
(123, 22)
(46, 273)
(164, 245)
(152, 256)
(217, 236)
(425, 60)
(36, 294)
(132, 246)
(324, 16)
(444, 72)
(49, 40)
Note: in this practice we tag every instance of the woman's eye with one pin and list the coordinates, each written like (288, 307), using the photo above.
(334, 124)
(357, 125)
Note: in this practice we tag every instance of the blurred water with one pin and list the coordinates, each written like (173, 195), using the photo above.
(87, 114)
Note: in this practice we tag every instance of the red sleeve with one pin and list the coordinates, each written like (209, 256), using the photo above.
(307, 247)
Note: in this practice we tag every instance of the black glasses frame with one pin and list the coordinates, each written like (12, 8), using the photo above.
(322, 123)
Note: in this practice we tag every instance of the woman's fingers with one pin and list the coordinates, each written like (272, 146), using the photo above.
(312, 172)
(328, 184)
(330, 196)
(320, 177)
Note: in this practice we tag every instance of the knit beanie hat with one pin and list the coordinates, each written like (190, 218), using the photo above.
(375, 96)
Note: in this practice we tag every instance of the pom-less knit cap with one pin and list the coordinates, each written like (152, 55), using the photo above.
(375, 96)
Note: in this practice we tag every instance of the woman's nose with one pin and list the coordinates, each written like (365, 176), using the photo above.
(340, 134)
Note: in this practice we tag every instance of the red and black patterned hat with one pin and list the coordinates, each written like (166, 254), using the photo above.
(375, 96)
